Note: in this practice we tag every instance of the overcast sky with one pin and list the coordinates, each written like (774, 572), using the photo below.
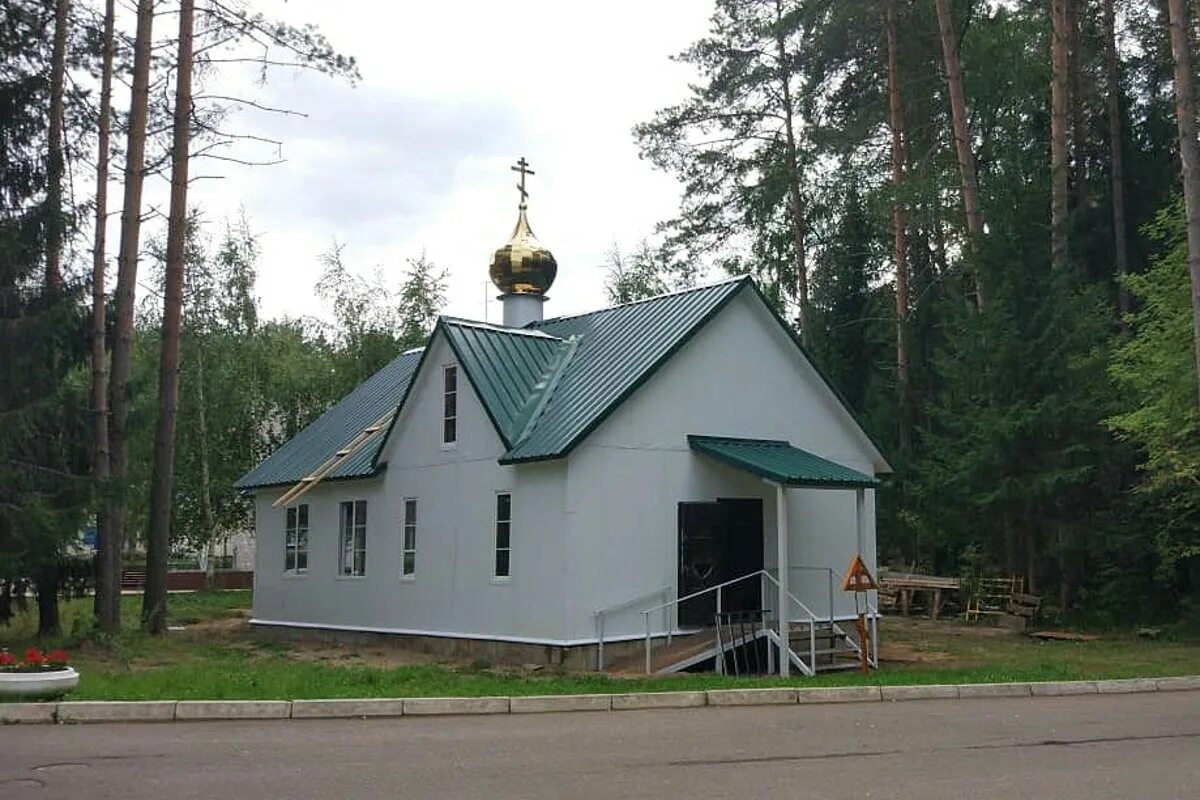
(417, 156)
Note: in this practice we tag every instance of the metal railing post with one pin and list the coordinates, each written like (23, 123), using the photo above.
(874, 652)
(812, 644)
(830, 571)
(668, 628)
(646, 616)
(600, 642)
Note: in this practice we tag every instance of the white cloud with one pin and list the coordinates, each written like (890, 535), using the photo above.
(416, 157)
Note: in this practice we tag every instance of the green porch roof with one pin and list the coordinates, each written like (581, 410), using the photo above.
(778, 461)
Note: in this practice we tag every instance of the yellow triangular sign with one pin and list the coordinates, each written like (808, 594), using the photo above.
(858, 577)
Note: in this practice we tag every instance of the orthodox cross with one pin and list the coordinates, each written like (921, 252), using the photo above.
(523, 168)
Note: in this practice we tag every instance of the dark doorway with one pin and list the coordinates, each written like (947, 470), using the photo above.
(717, 542)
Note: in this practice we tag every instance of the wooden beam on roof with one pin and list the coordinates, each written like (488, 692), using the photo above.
(333, 462)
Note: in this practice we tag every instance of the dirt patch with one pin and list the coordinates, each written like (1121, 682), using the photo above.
(344, 656)
(237, 624)
(904, 653)
(909, 627)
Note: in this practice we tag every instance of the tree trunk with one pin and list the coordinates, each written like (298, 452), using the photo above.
(962, 141)
(795, 199)
(899, 227)
(1189, 156)
(1116, 156)
(46, 584)
(127, 261)
(210, 524)
(1031, 563)
(108, 579)
(54, 166)
(1059, 52)
(1078, 120)
(154, 602)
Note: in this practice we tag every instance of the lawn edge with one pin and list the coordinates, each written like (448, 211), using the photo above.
(95, 711)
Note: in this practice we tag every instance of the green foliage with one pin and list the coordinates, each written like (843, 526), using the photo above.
(1030, 452)
(1155, 370)
(248, 385)
(648, 271)
(44, 486)
(376, 319)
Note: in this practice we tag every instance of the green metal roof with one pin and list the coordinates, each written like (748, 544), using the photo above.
(778, 461)
(616, 350)
(507, 367)
(544, 387)
(310, 448)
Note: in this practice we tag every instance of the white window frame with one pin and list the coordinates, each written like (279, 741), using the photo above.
(408, 539)
(449, 398)
(297, 520)
(497, 550)
(353, 546)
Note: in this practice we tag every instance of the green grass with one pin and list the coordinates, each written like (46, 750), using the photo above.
(223, 660)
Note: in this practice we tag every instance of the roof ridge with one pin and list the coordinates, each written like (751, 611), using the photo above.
(664, 295)
(488, 326)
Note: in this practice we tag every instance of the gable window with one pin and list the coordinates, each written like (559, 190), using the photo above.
(352, 553)
(503, 534)
(408, 549)
(449, 404)
(295, 540)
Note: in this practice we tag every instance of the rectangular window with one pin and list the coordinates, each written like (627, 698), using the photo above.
(449, 405)
(295, 540)
(352, 555)
(503, 534)
(408, 550)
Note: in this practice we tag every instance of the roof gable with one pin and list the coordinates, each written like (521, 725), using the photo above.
(616, 350)
(508, 369)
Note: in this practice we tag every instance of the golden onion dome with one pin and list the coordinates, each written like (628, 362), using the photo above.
(523, 266)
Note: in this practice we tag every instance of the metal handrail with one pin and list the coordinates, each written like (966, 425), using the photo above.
(718, 588)
(873, 653)
(600, 613)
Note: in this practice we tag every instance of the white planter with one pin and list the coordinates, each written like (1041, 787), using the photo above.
(38, 684)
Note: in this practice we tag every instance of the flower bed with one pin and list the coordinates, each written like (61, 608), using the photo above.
(38, 674)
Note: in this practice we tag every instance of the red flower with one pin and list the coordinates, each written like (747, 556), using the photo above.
(57, 658)
(34, 657)
(6, 659)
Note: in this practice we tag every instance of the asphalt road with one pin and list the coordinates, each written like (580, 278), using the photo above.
(1143, 747)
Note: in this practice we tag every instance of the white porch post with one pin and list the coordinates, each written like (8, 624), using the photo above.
(781, 549)
(860, 518)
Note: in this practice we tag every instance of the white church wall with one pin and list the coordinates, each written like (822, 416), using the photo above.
(453, 591)
(739, 376)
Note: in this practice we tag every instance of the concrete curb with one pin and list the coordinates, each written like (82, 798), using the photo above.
(651, 700)
(550, 703)
(88, 711)
(346, 709)
(118, 711)
(232, 709)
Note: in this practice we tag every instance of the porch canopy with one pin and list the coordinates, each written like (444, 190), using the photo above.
(787, 467)
(779, 462)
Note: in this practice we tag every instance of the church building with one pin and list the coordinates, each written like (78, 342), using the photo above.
(616, 489)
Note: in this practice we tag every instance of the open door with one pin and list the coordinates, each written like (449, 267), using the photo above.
(719, 541)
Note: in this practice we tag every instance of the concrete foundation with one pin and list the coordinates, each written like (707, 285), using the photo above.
(575, 658)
